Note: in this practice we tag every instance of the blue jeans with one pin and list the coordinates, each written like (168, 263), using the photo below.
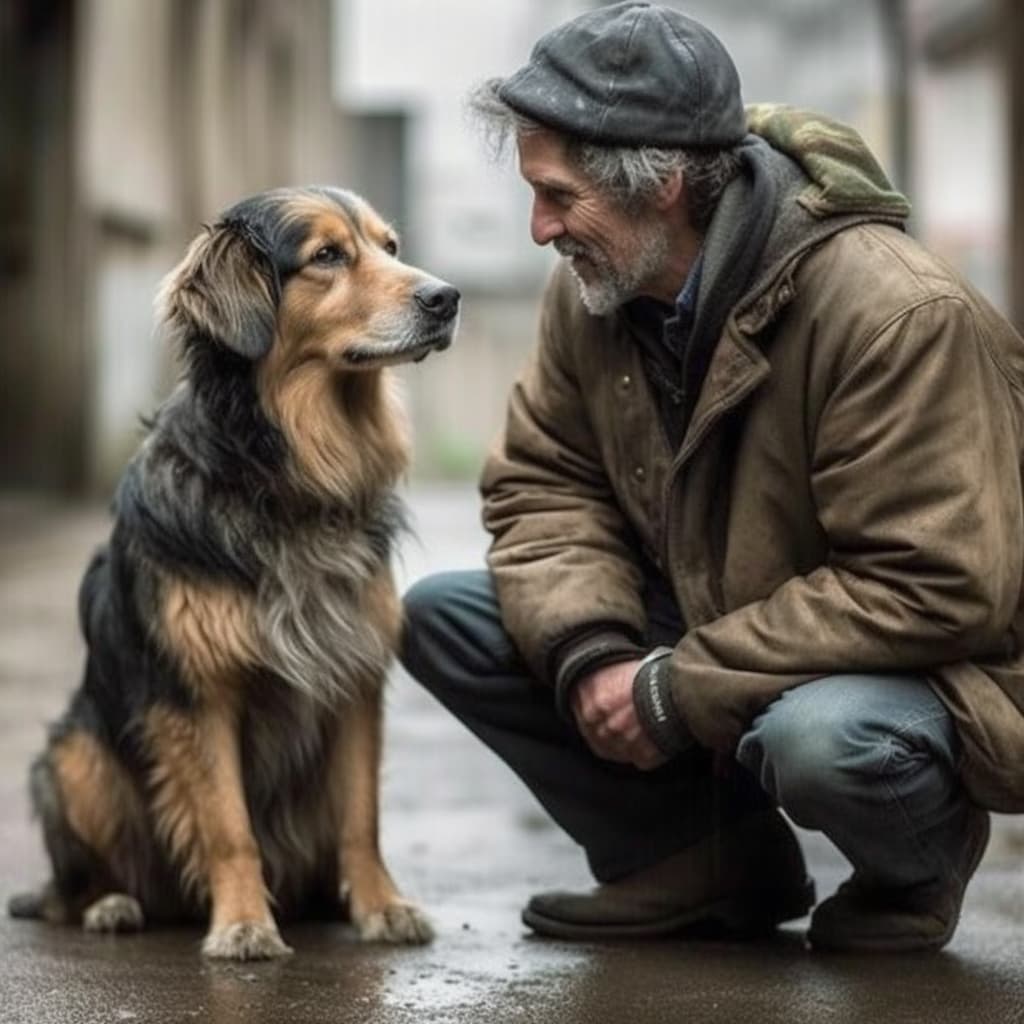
(868, 760)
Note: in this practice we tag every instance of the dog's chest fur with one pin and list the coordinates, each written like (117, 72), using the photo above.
(315, 622)
(297, 578)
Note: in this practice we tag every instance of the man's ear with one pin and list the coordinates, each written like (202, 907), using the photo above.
(671, 189)
(223, 288)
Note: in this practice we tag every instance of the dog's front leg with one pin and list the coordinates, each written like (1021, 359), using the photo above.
(377, 908)
(201, 808)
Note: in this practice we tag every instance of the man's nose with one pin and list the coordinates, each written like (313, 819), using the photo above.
(545, 224)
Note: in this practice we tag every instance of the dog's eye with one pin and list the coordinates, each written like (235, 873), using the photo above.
(391, 247)
(329, 255)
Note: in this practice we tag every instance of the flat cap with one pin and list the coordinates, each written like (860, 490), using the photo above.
(631, 74)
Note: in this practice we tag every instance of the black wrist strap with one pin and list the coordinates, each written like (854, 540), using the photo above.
(655, 707)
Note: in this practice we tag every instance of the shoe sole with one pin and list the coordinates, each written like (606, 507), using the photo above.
(904, 943)
(732, 914)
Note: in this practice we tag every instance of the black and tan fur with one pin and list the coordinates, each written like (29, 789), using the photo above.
(221, 756)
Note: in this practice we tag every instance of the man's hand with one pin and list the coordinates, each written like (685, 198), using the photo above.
(603, 705)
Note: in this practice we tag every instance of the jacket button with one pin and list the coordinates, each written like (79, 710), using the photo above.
(626, 382)
(640, 473)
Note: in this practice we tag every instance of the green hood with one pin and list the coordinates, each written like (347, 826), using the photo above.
(845, 176)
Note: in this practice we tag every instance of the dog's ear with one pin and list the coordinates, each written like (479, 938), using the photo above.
(224, 288)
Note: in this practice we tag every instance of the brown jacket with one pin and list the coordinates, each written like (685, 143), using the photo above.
(847, 497)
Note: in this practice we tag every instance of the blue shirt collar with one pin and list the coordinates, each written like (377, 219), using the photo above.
(686, 300)
(664, 325)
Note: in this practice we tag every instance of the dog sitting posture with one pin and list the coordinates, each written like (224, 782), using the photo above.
(221, 756)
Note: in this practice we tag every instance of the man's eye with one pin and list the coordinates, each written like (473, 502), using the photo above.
(328, 255)
(558, 196)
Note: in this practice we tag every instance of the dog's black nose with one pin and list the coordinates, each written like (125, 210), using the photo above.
(440, 300)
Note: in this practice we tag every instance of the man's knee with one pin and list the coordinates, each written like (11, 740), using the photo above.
(428, 608)
(833, 741)
(795, 764)
(452, 628)
(424, 605)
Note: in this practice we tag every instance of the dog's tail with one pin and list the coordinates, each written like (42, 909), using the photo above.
(43, 903)
(37, 905)
(72, 862)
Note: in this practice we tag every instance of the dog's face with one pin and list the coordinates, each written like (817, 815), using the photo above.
(314, 274)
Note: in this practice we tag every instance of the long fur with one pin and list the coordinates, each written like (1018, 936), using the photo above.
(247, 579)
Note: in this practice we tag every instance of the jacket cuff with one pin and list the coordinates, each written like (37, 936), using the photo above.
(655, 705)
(586, 653)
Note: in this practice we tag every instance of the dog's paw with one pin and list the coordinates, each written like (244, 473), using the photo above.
(245, 940)
(115, 912)
(397, 922)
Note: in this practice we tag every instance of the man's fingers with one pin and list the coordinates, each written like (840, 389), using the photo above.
(648, 762)
(624, 722)
(604, 743)
(608, 723)
(645, 755)
(630, 747)
(608, 751)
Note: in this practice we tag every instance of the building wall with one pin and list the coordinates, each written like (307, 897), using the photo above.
(169, 110)
(961, 142)
(41, 359)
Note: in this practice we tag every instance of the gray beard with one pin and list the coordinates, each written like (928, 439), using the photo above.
(612, 286)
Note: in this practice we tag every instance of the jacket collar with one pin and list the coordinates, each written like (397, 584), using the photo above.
(737, 365)
(800, 224)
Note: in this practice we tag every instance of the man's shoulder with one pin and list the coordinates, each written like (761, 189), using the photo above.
(873, 277)
(873, 249)
(875, 268)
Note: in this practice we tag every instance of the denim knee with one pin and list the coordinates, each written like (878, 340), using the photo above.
(839, 740)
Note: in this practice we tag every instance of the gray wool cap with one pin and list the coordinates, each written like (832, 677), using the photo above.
(631, 74)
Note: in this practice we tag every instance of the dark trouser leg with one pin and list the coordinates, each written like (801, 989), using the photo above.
(625, 819)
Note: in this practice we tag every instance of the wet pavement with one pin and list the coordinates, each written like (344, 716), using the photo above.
(463, 837)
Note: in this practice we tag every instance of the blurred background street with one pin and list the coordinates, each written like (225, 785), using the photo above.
(126, 124)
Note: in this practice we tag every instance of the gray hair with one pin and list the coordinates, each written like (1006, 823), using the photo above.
(631, 175)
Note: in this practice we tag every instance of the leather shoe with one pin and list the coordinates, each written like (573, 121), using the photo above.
(862, 917)
(745, 881)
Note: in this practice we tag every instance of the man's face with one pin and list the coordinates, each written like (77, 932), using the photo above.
(614, 254)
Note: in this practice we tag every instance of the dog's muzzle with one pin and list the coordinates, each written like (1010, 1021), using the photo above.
(439, 305)
(438, 300)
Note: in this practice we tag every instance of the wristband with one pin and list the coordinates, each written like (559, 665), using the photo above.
(652, 698)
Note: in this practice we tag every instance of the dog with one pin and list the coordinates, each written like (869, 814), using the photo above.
(221, 756)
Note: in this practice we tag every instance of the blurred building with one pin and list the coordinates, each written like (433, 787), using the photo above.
(125, 124)
(961, 154)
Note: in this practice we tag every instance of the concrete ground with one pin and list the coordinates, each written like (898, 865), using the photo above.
(462, 836)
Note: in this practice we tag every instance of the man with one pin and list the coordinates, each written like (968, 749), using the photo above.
(758, 530)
